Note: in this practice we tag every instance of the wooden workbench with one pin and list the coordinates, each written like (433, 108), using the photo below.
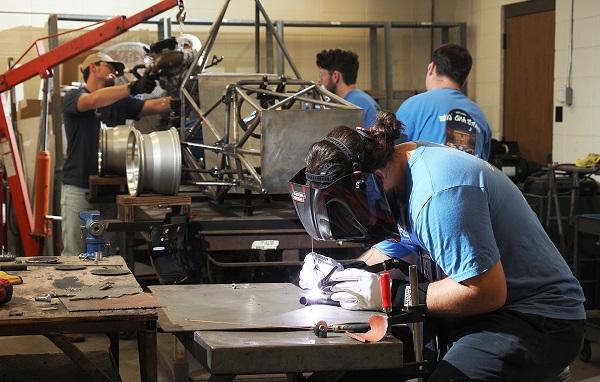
(234, 329)
(133, 311)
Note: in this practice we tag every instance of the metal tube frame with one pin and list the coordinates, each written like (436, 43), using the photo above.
(235, 169)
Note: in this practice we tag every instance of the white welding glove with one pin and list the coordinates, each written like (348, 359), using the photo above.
(315, 268)
(357, 289)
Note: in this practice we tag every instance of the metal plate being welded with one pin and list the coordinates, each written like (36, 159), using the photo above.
(243, 306)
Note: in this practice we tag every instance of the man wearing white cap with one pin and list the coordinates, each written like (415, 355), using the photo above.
(98, 101)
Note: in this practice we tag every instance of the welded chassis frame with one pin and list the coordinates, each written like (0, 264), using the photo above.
(229, 144)
(235, 168)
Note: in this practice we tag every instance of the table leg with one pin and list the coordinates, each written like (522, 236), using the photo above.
(221, 378)
(576, 248)
(78, 358)
(128, 252)
(295, 377)
(326, 376)
(147, 353)
(114, 347)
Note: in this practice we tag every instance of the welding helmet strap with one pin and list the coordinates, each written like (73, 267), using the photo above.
(345, 150)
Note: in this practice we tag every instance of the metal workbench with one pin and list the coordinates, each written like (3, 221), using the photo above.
(258, 328)
(131, 312)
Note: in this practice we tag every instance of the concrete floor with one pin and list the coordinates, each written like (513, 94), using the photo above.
(580, 371)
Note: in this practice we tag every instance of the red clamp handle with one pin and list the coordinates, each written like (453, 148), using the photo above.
(385, 283)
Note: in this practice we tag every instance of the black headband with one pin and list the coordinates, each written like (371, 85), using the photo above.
(345, 150)
(322, 178)
(355, 160)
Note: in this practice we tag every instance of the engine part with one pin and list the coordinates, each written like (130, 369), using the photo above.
(112, 147)
(153, 162)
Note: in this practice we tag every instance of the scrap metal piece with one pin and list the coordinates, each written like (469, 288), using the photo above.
(95, 293)
(106, 285)
(110, 271)
(42, 260)
(70, 267)
(45, 298)
(7, 256)
(136, 301)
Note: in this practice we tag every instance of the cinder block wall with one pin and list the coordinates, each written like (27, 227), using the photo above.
(410, 47)
(573, 138)
(579, 133)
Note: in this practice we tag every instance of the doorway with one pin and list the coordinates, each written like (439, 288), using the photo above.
(529, 77)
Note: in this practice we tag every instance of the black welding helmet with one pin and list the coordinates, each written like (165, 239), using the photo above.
(352, 208)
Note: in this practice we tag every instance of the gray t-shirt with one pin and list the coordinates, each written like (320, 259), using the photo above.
(82, 130)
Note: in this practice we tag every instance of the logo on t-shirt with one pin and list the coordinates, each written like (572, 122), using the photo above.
(461, 130)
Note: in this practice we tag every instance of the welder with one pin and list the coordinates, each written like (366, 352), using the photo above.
(495, 277)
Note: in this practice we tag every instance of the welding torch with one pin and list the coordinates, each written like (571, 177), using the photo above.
(324, 297)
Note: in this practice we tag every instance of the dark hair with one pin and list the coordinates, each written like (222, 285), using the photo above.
(373, 148)
(453, 61)
(344, 61)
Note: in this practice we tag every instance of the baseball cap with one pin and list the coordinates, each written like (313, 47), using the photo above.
(99, 56)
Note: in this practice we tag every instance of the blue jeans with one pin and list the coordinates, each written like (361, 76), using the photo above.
(499, 346)
(507, 346)
(72, 201)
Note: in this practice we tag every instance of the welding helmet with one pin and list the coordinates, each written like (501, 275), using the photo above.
(352, 208)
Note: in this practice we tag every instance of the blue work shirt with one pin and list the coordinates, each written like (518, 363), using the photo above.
(445, 116)
(468, 215)
(365, 102)
(448, 117)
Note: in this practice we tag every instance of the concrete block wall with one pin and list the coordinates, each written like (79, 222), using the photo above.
(237, 45)
(484, 40)
(579, 133)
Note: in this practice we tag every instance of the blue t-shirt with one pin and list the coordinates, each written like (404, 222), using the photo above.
(365, 102)
(457, 211)
(446, 116)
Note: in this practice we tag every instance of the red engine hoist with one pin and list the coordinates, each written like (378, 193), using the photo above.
(34, 227)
